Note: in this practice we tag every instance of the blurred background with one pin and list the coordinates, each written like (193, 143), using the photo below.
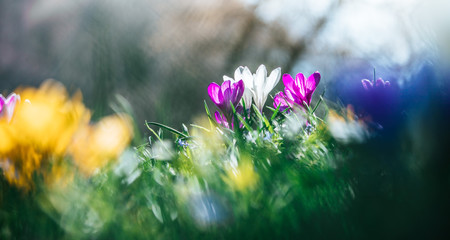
(161, 55)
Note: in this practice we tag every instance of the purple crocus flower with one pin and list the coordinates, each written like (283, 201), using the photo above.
(280, 100)
(379, 83)
(297, 91)
(7, 105)
(222, 120)
(225, 95)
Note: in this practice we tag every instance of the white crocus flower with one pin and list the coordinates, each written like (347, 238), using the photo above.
(257, 86)
(262, 85)
(244, 74)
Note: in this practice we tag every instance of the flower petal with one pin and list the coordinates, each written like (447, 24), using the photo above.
(2, 103)
(247, 97)
(238, 91)
(289, 83)
(300, 82)
(213, 92)
(367, 84)
(226, 78)
(313, 81)
(272, 80)
(379, 82)
(280, 100)
(247, 76)
(226, 92)
(218, 117)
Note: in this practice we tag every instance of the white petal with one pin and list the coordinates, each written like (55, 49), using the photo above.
(226, 78)
(272, 80)
(247, 98)
(248, 78)
(238, 74)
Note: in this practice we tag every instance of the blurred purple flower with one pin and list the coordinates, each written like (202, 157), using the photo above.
(379, 83)
(7, 105)
(297, 91)
(225, 95)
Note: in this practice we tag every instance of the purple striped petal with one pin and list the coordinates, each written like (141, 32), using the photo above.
(226, 91)
(238, 91)
(300, 82)
(215, 93)
(288, 82)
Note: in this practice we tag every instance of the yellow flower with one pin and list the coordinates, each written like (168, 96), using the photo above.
(41, 128)
(94, 146)
(243, 177)
(47, 127)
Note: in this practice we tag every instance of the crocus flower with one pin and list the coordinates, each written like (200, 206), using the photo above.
(7, 105)
(379, 83)
(244, 74)
(257, 85)
(225, 95)
(297, 91)
(263, 85)
(280, 100)
(222, 120)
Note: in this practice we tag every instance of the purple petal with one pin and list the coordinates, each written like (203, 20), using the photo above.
(238, 91)
(280, 100)
(221, 120)
(11, 100)
(367, 84)
(227, 91)
(2, 103)
(213, 92)
(218, 117)
(387, 84)
(288, 82)
(379, 82)
(313, 81)
(300, 82)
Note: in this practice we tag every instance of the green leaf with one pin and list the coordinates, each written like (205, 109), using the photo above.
(168, 128)
(263, 119)
(275, 113)
(212, 122)
(318, 103)
(200, 127)
(241, 119)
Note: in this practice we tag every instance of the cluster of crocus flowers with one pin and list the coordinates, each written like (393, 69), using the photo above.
(297, 92)
(257, 85)
(252, 88)
(255, 88)
(41, 130)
